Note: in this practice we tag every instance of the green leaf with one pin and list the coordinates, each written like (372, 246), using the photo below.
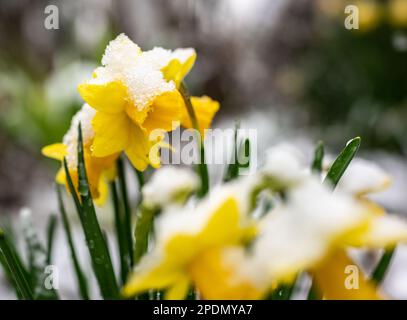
(101, 260)
(120, 233)
(342, 161)
(14, 268)
(381, 268)
(244, 153)
(127, 223)
(318, 158)
(51, 229)
(233, 168)
(80, 277)
(37, 257)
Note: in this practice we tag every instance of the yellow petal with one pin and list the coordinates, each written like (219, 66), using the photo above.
(179, 65)
(108, 97)
(217, 279)
(111, 133)
(55, 151)
(138, 148)
(205, 109)
(61, 177)
(383, 231)
(103, 191)
(166, 111)
(179, 290)
(333, 278)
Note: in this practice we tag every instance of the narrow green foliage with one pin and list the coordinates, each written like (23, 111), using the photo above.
(11, 261)
(37, 257)
(80, 277)
(233, 169)
(381, 268)
(342, 161)
(244, 153)
(51, 230)
(318, 158)
(101, 261)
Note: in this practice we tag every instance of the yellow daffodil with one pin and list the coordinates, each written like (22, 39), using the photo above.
(188, 246)
(314, 226)
(99, 170)
(398, 12)
(135, 93)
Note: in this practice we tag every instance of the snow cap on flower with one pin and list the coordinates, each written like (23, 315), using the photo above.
(285, 164)
(84, 116)
(363, 177)
(120, 51)
(299, 233)
(169, 185)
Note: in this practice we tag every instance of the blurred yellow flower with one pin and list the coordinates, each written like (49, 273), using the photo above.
(135, 93)
(398, 12)
(99, 170)
(189, 242)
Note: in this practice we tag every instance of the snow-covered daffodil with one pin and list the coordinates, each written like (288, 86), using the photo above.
(135, 93)
(188, 248)
(99, 170)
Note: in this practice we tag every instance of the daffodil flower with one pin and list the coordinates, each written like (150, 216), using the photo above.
(313, 227)
(135, 93)
(99, 170)
(189, 240)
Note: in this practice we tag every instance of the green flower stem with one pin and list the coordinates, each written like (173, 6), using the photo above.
(121, 241)
(14, 268)
(202, 168)
(80, 277)
(127, 210)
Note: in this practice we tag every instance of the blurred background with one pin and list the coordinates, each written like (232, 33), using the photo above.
(288, 68)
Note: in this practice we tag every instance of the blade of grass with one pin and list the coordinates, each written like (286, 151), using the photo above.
(121, 241)
(37, 256)
(15, 269)
(80, 277)
(245, 150)
(381, 268)
(101, 260)
(51, 229)
(342, 161)
(202, 167)
(127, 223)
(318, 158)
(233, 168)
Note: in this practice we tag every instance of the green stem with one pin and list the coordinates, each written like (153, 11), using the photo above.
(121, 241)
(127, 210)
(202, 167)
